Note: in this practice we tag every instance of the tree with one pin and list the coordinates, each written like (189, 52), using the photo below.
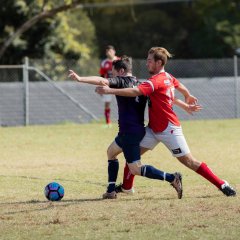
(19, 16)
(197, 29)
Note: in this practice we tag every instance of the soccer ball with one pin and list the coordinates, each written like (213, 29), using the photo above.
(54, 191)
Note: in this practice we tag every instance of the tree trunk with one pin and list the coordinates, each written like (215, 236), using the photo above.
(28, 24)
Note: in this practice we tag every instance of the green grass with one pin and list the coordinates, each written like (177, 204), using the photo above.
(75, 156)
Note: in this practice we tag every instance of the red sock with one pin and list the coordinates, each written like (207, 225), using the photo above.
(127, 178)
(207, 173)
(107, 115)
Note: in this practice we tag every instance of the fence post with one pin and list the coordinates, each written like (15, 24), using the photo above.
(235, 59)
(26, 91)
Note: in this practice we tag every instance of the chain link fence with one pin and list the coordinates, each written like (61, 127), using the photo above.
(39, 92)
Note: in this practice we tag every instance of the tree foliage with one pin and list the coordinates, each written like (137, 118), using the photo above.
(197, 29)
(45, 29)
(55, 29)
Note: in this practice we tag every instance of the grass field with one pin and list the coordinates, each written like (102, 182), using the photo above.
(75, 156)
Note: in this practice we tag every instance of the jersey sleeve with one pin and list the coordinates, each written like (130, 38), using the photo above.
(115, 82)
(146, 87)
(176, 82)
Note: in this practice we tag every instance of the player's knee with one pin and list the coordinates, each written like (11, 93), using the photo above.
(134, 169)
(134, 172)
(110, 153)
(143, 150)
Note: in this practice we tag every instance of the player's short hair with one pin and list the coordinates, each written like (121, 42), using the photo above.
(108, 47)
(124, 62)
(160, 53)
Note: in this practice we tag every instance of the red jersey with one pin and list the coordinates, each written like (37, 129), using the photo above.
(106, 68)
(160, 90)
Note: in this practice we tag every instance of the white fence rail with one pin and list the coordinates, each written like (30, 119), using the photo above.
(26, 96)
(25, 100)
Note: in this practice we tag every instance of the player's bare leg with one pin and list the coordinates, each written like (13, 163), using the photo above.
(128, 178)
(201, 168)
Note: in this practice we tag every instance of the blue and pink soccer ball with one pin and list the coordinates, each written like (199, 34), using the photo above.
(54, 191)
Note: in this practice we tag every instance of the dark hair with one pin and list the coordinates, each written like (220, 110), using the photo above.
(110, 47)
(124, 62)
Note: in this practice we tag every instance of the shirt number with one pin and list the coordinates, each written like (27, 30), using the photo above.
(170, 94)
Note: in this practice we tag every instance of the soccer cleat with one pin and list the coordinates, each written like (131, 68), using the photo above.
(177, 184)
(107, 125)
(228, 190)
(111, 195)
(128, 191)
(120, 189)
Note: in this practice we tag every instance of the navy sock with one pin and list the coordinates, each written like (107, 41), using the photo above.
(113, 166)
(151, 172)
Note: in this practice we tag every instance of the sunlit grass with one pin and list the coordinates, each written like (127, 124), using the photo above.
(75, 156)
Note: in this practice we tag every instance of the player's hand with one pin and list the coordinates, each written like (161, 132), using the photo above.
(191, 100)
(102, 89)
(193, 108)
(73, 75)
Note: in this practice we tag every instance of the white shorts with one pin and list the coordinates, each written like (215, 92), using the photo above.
(107, 97)
(172, 137)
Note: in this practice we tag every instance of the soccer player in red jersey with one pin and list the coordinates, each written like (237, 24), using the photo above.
(106, 72)
(164, 125)
(131, 128)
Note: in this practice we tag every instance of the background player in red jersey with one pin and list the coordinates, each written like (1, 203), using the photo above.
(164, 125)
(106, 72)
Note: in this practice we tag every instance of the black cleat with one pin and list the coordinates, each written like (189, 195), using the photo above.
(228, 190)
(177, 184)
(120, 189)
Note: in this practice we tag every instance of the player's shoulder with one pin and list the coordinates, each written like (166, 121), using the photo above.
(154, 78)
(133, 80)
(162, 76)
(125, 81)
(104, 62)
(159, 79)
(169, 76)
(128, 78)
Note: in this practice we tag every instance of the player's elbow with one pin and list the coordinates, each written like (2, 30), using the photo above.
(103, 82)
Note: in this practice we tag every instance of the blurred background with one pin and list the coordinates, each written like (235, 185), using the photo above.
(41, 40)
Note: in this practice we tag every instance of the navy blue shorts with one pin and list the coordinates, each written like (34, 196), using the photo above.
(130, 144)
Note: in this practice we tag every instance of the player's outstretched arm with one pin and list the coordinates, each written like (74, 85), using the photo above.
(190, 99)
(125, 92)
(95, 80)
(189, 108)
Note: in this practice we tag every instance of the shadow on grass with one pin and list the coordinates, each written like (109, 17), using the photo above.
(46, 205)
(56, 179)
(65, 203)
(208, 196)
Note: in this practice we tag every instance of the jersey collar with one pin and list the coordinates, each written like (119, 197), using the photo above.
(161, 71)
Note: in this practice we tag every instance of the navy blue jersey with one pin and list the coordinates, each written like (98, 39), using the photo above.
(130, 109)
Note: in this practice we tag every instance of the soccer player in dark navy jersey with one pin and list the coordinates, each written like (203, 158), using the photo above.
(131, 128)
(130, 110)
